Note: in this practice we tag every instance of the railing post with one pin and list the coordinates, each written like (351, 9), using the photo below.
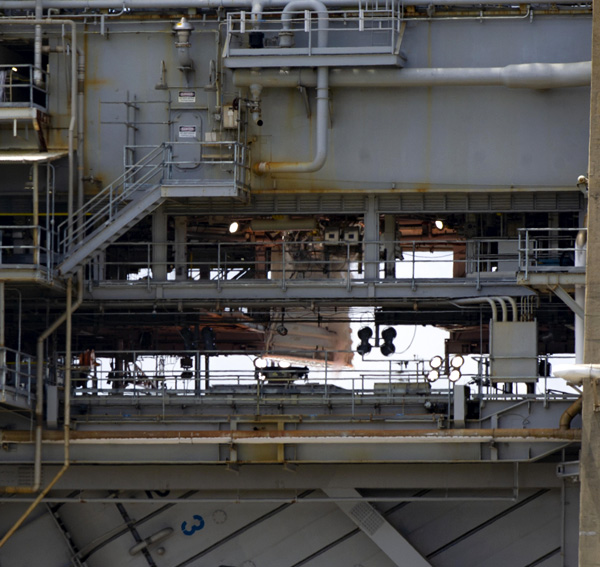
(414, 260)
(478, 264)
(526, 254)
(218, 266)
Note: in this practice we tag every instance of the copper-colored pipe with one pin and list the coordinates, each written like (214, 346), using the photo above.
(569, 414)
(325, 436)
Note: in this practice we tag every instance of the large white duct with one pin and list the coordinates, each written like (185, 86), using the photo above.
(526, 76)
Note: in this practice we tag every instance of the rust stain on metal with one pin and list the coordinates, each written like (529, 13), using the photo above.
(281, 436)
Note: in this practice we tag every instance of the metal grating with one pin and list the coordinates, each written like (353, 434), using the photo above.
(367, 517)
(455, 202)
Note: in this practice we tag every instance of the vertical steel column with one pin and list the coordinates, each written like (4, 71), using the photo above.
(36, 215)
(371, 237)
(180, 248)
(589, 519)
(2, 339)
(159, 245)
(389, 243)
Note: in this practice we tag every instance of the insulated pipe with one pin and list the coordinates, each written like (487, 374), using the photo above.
(256, 12)
(479, 300)
(38, 78)
(524, 75)
(315, 5)
(322, 135)
(569, 414)
(80, 117)
(513, 304)
(577, 373)
(216, 4)
(503, 307)
(308, 437)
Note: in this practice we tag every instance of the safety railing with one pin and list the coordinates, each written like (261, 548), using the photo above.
(208, 164)
(550, 250)
(17, 375)
(104, 207)
(202, 373)
(26, 245)
(289, 263)
(247, 379)
(362, 30)
(18, 89)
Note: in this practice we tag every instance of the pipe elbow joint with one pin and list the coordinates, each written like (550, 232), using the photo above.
(261, 167)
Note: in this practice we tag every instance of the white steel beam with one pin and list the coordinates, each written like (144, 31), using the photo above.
(374, 525)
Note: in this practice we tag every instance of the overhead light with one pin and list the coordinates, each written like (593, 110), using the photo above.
(439, 224)
(457, 361)
(454, 375)
(260, 363)
(436, 362)
(364, 335)
(388, 336)
(433, 375)
(233, 227)
(14, 69)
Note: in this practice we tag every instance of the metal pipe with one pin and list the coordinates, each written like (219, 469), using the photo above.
(80, 130)
(67, 417)
(312, 437)
(314, 5)
(322, 138)
(513, 304)
(503, 307)
(36, 215)
(569, 414)
(216, 4)
(38, 78)
(577, 373)
(477, 301)
(39, 409)
(524, 75)
(2, 337)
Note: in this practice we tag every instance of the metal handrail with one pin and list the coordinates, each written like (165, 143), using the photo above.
(16, 84)
(547, 249)
(104, 206)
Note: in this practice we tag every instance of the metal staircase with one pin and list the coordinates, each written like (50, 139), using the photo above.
(113, 211)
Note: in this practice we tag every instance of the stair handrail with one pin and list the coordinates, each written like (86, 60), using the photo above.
(107, 202)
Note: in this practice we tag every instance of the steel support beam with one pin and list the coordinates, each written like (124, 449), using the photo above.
(567, 299)
(376, 527)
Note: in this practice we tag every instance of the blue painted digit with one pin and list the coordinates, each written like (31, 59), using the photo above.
(194, 527)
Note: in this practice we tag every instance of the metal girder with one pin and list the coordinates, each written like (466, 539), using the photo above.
(498, 476)
(260, 291)
(375, 526)
(546, 279)
(567, 299)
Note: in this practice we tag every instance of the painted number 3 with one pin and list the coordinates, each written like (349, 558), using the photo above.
(197, 526)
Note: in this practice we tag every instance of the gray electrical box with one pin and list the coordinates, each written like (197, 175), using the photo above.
(513, 351)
